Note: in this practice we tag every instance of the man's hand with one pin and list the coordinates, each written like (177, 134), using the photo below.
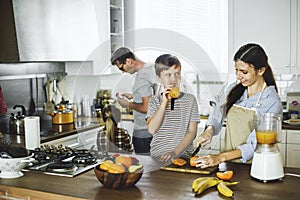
(124, 103)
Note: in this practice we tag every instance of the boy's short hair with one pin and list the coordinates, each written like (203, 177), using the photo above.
(164, 62)
(120, 55)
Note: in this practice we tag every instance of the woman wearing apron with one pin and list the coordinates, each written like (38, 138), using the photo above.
(255, 92)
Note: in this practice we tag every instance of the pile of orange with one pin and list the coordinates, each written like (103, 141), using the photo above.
(121, 164)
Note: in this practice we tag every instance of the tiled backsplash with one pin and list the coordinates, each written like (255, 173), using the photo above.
(287, 83)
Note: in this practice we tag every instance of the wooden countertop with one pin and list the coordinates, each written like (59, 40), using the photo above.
(154, 184)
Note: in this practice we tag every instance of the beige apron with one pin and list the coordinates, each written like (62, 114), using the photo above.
(239, 125)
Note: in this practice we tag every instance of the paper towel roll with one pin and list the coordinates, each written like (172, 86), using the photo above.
(32, 132)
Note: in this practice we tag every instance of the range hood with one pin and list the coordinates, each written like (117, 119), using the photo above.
(52, 30)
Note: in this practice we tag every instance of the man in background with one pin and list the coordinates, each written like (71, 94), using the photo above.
(143, 89)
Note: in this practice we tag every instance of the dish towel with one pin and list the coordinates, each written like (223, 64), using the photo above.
(3, 107)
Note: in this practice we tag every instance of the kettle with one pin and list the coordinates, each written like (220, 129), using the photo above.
(16, 122)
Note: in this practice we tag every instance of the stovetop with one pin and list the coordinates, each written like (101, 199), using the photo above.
(62, 161)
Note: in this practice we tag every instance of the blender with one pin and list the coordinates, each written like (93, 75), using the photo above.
(267, 161)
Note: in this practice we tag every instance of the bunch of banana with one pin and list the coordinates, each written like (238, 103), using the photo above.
(199, 185)
(224, 189)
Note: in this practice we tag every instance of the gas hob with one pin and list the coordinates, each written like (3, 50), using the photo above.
(62, 161)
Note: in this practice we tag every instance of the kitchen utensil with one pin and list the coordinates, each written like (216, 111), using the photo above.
(37, 91)
(267, 162)
(16, 122)
(196, 150)
(62, 115)
(49, 107)
(187, 168)
(11, 167)
(32, 105)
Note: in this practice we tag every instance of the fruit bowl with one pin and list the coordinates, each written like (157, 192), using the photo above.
(11, 167)
(117, 180)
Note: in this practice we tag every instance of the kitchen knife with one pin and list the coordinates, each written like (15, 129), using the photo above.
(196, 150)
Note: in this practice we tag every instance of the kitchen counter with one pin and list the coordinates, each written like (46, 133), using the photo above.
(154, 184)
(290, 127)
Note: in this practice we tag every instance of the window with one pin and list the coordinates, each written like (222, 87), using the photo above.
(195, 31)
(203, 22)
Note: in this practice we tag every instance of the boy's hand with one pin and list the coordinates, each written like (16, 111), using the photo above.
(167, 157)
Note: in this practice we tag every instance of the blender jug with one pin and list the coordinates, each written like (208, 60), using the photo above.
(267, 162)
(268, 128)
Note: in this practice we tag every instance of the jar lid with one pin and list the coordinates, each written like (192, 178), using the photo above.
(294, 112)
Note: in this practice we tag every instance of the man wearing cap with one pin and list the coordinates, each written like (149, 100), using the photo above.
(143, 89)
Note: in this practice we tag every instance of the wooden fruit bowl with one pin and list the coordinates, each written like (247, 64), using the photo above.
(117, 181)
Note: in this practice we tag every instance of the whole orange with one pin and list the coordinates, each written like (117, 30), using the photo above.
(124, 160)
(116, 168)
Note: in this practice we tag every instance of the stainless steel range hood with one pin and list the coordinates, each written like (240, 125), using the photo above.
(47, 30)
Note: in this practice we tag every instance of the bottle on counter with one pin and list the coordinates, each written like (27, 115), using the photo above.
(294, 114)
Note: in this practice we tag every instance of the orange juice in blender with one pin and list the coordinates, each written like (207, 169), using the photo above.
(266, 137)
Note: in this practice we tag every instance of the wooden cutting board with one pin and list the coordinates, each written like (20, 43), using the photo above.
(188, 169)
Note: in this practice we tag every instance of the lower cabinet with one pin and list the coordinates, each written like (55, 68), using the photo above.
(82, 140)
(71, 141)
(293, 148)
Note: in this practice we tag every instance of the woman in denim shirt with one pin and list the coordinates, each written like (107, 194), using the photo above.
(255, 93)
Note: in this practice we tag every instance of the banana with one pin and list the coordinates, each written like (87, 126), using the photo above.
(205, 184)
(198, 180)
(231, 183)
(224, 189)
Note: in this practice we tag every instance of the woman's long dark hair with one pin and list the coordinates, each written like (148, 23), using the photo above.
(255, 55)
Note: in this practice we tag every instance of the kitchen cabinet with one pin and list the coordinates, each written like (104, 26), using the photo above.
(116, 27)
(273, 24)
(293, 148)
(116, 24)
(81, 140)
(71, 141)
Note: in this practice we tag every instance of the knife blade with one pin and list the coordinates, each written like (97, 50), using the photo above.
(196, 150)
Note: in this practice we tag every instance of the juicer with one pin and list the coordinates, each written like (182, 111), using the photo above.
(267, 161)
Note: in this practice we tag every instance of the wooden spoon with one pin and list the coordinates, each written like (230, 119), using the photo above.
(49, 106)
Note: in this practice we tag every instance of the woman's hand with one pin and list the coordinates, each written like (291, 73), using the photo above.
(208, 161)
(206, 136)
(167, 157)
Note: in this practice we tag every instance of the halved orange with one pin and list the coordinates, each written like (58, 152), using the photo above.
(192, 161)
(226, 175)
(179, 161)
(116, 168)
(105, 165)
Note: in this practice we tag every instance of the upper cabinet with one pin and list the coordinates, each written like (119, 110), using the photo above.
(273, 24)
(56, 30)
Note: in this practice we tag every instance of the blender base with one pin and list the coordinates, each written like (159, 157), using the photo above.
(267, 166)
